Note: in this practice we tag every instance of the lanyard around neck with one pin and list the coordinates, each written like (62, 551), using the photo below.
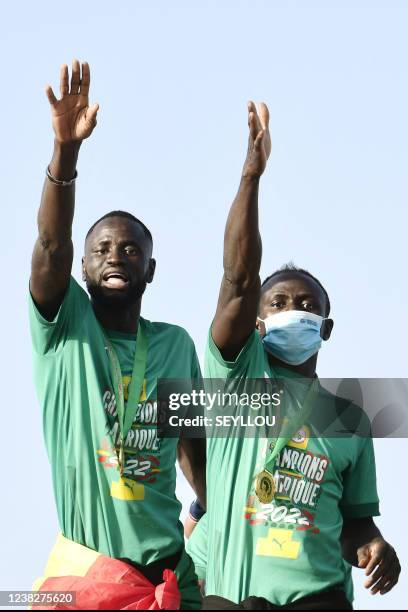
(265, 487)
(291, 425)
(126, 414)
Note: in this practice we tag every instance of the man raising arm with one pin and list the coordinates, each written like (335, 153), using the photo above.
(73, 121)
(282, 513)
(96, 364)
(238, 302)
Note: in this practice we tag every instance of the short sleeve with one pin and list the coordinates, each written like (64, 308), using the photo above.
(197, 548)
(50, 336)
(217, 367)
(195, 364)
(360, 498)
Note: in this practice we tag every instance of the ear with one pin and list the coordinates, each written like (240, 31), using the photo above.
(151, 270)
(83, 270)
(260, 326)
(327, 329)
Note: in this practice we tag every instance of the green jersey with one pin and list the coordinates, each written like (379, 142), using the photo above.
(289, 548)
(136, 516)
(197, 547)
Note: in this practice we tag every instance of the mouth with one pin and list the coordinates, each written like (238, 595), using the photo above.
(115, 280)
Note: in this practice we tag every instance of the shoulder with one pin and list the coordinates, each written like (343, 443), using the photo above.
(168, 332)
(252, 356)
(52, 334)
(349, 417)
(78, 292)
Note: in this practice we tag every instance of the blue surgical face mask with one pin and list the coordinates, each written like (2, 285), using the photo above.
(293, 336)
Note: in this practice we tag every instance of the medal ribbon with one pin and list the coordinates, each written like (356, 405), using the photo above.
(126, 414)
(291, 425)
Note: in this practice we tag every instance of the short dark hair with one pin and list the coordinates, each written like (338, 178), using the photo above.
(125, 215)
(291, 268)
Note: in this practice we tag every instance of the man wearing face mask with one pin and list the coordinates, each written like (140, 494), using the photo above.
(283, 514)
(97, 362)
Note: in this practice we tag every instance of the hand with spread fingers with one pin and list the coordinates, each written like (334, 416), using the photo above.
(259, 144)
(73, 119)
(382, 565)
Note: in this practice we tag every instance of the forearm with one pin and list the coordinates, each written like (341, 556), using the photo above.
(53, 251)
(357, 533)
(56, 211)
(242, 240)
(192, 461)
(238, 301)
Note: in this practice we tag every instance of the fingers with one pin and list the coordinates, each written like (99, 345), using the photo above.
(258, 140)
(387, 568)
(64, 81)
(78, 85)
(390, 585)
(86, 78)
(390, 577)
(50, 95)
(382, 569)
(253, 126)
(75, 78)
(251, 107)
(374, 561)
(363, 556)
(253, 120)
(263, 115)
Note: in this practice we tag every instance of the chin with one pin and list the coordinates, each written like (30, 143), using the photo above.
(115, 298)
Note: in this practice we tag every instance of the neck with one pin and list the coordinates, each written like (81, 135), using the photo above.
(124, 319)
(306, 369)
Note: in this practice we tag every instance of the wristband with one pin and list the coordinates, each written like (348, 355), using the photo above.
(196, 511)
(58, 182)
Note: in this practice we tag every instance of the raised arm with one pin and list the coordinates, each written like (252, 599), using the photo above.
(240, 288)
(73, 121)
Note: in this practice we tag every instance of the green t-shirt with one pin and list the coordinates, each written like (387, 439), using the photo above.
(289, 548)
(136, 518)
(197, 547)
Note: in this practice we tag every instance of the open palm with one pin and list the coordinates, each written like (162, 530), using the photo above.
(72, 117)
(259, 143)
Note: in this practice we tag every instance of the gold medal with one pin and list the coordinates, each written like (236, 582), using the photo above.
(265, 487)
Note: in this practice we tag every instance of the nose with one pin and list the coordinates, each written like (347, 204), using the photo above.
(115, 256)
(290, 304)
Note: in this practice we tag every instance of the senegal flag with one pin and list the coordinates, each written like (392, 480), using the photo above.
(98, 582)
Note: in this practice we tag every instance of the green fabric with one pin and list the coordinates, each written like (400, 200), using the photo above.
(187, 583)
(137, 519)
(290, 548)
(197, 547)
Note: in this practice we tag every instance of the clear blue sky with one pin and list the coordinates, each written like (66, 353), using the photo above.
(172, 80)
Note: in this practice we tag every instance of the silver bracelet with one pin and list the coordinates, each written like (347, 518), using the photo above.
(58, 182)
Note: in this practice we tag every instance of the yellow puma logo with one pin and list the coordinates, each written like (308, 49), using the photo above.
(127, 490)
(278, 543)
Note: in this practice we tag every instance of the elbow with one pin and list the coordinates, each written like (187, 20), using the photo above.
(243, 283)
(53, 247)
